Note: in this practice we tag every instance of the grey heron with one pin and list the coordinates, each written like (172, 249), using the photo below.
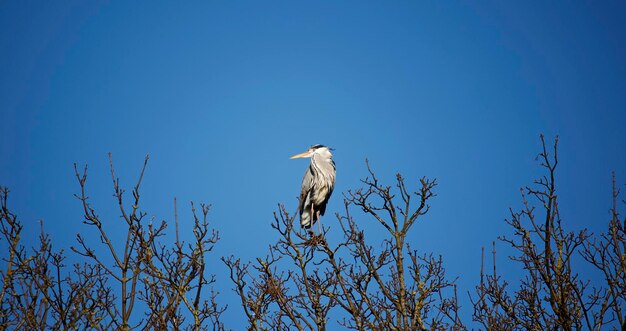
(317, 184)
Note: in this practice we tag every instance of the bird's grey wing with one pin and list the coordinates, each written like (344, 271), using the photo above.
(331, 185)
(323, 206)
(307, 185)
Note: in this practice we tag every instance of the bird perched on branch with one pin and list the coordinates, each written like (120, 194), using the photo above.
(317, 184)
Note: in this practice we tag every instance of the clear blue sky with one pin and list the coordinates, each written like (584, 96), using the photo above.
(221, 93)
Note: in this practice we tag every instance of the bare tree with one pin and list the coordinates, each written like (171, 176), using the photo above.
(176, 278)
(128, 263)
(10, 229)
(551, 294)
(309, 281)
(608, 254)
(26, 277)
(291, 287)
(172, 283)
(304, 276)
(37, 293)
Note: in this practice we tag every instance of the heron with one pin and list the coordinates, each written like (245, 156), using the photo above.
(317, 184)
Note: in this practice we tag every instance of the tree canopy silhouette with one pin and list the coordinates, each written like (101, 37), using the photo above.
(306, 281)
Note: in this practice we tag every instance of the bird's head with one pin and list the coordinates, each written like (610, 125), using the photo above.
(321, 150)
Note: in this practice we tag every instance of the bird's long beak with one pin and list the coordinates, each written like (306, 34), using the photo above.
(301, 155)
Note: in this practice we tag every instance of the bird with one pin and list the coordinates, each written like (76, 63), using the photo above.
(317, 184)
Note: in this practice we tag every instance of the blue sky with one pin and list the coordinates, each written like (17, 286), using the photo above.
(221, 93)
